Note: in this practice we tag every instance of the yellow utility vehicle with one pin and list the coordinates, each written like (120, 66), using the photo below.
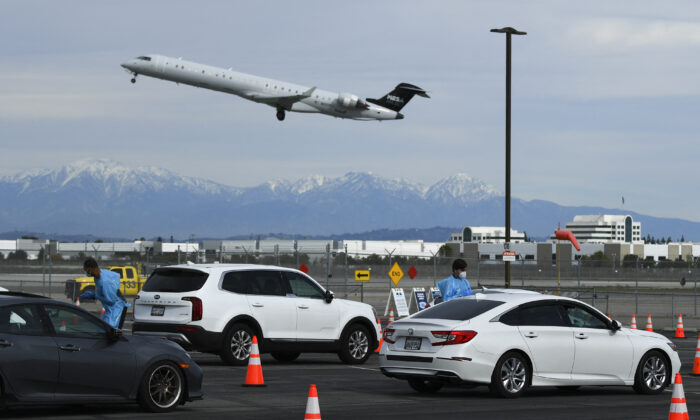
(131, 282)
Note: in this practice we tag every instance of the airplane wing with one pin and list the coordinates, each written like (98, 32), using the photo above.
(285, 102)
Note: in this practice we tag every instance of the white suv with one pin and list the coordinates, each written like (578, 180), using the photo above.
(218, 308)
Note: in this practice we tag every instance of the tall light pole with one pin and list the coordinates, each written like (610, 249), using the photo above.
(508, 31)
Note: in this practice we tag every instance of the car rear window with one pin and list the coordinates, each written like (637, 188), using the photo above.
(175, 281)
(458, 309)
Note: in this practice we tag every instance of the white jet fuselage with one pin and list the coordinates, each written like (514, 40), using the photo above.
(284, 96)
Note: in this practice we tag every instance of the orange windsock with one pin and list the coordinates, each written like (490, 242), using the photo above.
(313, 411)
(567, 235)
(680, 333)
(633, 324)
(649, 327)
(254, 377)
(679, 409)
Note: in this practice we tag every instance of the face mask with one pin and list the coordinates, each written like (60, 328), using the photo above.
(463, 275)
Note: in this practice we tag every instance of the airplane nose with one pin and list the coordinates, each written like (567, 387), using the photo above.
(399, 116)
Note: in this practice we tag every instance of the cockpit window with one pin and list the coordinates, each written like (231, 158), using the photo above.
(143, 57)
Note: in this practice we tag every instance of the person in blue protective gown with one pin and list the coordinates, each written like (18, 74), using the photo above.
(107, 291)
(457, 284)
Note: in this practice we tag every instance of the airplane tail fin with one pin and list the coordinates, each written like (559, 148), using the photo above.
(399, 97)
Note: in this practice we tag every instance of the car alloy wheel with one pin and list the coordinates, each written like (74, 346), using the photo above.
(511, 375)
(241, 342)
(358, 344)
(652, 373)
(162, 388)
(355, 345)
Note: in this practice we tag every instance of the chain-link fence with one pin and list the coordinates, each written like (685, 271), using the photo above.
(664, 288)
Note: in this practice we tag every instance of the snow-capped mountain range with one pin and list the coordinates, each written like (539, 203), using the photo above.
(105, 197)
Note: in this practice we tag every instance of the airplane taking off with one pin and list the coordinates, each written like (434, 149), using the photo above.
(281, 95)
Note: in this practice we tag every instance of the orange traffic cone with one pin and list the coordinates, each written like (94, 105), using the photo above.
(381, 337)
(649, 327)
(102, 313)
(63, 326)
(633, 324)
(679, 410)
(696, 365)
(391, 316)
(254, 377)
(77, 301)
(313, 411)
(679, 327)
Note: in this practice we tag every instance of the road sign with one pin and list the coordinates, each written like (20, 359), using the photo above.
(508, 255)
(412, 272)
(303, 268)
(396, 274)
(362, 275)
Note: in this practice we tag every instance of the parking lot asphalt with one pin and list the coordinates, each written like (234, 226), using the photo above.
(355, 392)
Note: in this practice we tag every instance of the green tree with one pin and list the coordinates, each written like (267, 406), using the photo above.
(19, 255)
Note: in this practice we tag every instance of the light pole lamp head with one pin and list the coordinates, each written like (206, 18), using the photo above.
(508, 30)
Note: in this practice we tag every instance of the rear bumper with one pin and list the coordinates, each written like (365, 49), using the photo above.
(188, 336)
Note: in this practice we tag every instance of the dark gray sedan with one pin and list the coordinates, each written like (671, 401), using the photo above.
(55, 353)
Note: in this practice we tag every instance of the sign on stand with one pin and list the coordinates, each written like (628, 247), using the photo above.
(399, 302)
(418, 297)
(435, 294)
(362, 275)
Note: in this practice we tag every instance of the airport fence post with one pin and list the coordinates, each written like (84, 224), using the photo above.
(636, 294)
(593, 298)
(50, 272)
(178, 254)
(328, 264)
(43, 271)
(362, 292)
(345, 272)
(522, 272)
(673, 306)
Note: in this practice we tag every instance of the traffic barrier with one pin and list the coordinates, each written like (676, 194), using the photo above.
(391, 316)
(313, 411)
(254, 376)
(77, 301)
(679, 327)
(381, 336)
(679, 409)
(649, 327)
(696, 365)
(633, 324)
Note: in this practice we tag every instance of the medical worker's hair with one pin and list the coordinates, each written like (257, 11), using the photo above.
(90, 263)
(459, 264)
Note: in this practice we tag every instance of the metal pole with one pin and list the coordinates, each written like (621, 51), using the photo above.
(221, 253)
(178, 254)
(345, 273)
(328, 264)
(434, 269)
(50, 271)
(43, 271)
(522, 272)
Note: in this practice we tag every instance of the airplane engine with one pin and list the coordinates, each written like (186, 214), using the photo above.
(348, 100)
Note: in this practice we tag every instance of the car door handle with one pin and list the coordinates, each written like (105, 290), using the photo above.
(581, 336)
(5, 343)
(303, 307)
(531, 335)
(258, 305)
(69, 347)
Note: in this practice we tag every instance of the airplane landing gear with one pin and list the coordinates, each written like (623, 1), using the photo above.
(133, 79)
(280, 114)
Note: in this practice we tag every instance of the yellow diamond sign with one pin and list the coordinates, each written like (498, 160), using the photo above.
(396, 274)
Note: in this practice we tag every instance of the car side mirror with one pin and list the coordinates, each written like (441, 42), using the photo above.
(114, 334)
(615, 325)
(328, 296)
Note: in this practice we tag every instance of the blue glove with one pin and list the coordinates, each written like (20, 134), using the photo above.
(87, 295)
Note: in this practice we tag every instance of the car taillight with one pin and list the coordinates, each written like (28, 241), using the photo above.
(452, 337)
(389, 335)
(196, 307)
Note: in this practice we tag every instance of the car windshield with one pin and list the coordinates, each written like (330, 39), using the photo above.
(458, 309)
(175, 280)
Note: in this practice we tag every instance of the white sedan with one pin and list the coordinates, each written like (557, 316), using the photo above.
(514, 339)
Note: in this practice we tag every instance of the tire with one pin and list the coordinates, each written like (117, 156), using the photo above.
(425, 386)
(235, 348)
(355, 345)
(653, 373)
(512, 375)
(285, 357)
(162, 388)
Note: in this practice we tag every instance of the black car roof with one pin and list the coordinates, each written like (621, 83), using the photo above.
(7, 298)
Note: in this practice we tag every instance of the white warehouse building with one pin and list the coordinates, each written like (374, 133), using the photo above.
(605, 228)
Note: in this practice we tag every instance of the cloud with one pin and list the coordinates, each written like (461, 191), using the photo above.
(618, 34)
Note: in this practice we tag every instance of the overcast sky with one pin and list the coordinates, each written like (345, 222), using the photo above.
(606, 95)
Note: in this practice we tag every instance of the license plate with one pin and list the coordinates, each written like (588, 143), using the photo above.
(157, 310)
(412, 343)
